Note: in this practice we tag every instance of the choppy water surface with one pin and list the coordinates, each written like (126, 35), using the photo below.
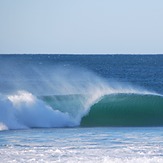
(82, 145)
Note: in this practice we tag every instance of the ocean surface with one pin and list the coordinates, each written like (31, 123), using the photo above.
(81, 108)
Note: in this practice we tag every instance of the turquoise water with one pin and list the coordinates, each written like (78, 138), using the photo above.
(78, 108)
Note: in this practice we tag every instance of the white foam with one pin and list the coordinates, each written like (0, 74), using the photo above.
(3, 127)
(23, 110)
(133, 160)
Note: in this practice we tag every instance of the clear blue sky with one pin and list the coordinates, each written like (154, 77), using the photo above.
(81, 26)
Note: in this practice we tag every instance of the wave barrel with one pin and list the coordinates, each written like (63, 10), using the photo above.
(126, 110)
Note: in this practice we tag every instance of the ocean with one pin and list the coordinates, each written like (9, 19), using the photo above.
(81, 108)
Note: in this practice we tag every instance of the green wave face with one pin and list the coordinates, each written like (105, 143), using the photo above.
(126, 110)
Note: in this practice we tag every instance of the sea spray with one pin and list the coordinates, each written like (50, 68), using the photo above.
(26, 109)
(55, 96)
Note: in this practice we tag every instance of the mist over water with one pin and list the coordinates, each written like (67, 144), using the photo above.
(38, 91)
(26, 92)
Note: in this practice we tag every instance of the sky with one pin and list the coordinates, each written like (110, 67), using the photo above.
(81, 26)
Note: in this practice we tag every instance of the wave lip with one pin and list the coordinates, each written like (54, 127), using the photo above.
(126, 110)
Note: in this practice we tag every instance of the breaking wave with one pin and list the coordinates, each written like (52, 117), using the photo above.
(23, 110)
(72, 97)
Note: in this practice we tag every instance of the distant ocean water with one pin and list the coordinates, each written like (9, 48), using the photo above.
(81, 108)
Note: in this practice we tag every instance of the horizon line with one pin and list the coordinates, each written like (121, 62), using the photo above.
(81, 54)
